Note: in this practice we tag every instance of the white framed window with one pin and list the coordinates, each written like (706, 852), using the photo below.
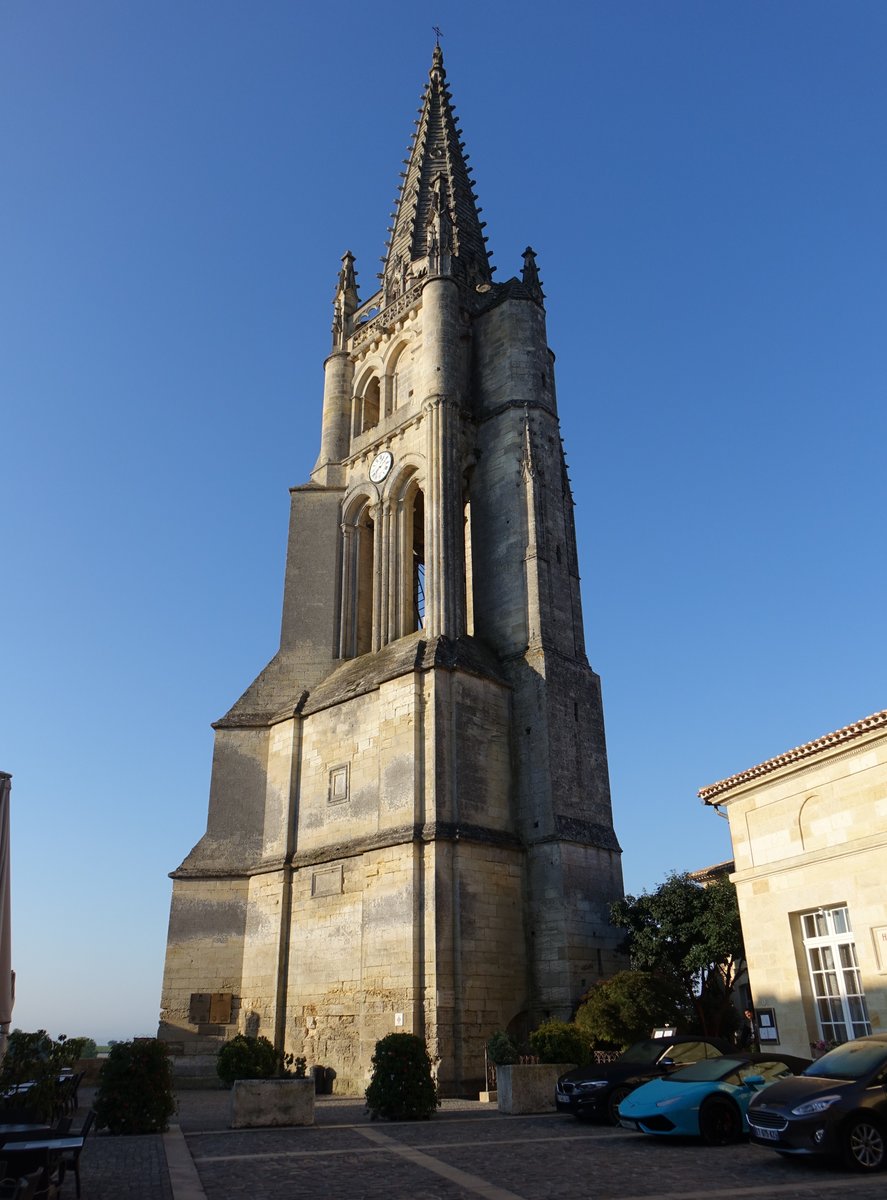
(841, 1011)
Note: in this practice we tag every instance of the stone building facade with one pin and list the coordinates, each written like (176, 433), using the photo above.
(409, 818)
(809, 832)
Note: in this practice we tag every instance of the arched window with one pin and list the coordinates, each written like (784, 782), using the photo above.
(358, 577)
(365, 406)
(417, 551)
(469, 575)
(363, 622)
(370, 405)
(398, 377)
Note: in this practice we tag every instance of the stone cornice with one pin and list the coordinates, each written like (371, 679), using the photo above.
(401, 835)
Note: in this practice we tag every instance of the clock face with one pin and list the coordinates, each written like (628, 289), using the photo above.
(381, 465)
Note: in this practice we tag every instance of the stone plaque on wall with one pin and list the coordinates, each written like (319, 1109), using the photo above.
(220, 1008)
(198, 1010)
(328, 882)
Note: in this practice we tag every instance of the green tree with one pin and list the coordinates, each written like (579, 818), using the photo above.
(628, 1006)
(692, 935)
(560, 1042)
(36, 1059)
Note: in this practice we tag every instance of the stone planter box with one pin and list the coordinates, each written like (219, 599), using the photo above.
(529, 1089)
(261, 1102)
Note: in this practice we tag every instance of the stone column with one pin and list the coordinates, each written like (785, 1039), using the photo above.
(349, 587)
(444, 544)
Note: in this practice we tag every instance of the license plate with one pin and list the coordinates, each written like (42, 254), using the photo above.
(628, 1124)
(769, 1135)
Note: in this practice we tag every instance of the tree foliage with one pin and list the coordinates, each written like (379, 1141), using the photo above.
(692, 935)
(36, 1059)
(628, 1006)
(245, 1057)
(135, 1088)
(501, 1049)
(560, 1042)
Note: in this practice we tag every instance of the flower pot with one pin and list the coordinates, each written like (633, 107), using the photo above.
(528, 1089)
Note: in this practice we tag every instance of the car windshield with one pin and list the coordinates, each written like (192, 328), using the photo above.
(707, 1070)
(642, 1052)
(854, 1060)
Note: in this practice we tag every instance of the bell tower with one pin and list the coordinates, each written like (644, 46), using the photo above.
(409, 820)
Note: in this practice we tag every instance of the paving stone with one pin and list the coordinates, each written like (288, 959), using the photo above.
(546, 1157)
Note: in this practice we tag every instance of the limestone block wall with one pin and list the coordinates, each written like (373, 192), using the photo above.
(205, 944)
(480, 978)
(360, 773)
(262, 954)
(237, 802)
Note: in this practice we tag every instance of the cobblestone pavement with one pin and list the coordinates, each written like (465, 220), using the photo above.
(469, 1150)
(121, 1168)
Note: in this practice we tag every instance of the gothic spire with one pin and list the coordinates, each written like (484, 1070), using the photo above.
(437, 229)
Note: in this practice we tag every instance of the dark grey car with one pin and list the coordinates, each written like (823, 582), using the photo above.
(838, 1107)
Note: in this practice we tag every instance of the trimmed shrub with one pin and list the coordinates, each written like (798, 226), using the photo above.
(559, 1042)
(245, 1057)
(402, 1087)
(135, 1092)
(501, 1050)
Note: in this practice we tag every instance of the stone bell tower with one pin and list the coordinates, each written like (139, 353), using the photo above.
(409, 818)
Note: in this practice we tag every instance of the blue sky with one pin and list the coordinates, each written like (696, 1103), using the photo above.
(705, 186)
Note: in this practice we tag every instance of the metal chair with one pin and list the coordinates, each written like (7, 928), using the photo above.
(71, 1158)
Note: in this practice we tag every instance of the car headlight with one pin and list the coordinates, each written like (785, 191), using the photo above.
(588, 1085)
(820, 1104)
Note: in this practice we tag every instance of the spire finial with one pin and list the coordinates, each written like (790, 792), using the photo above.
(530, 275)
(345, 301)
(438, 34)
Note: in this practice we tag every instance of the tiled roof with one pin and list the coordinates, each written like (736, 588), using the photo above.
(707, 874)
(847, 734)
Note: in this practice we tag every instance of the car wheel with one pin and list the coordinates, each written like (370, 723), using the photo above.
(719, 1122)
(617, 1095)
(863, 1144)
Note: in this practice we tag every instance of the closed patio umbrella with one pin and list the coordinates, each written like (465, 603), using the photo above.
(6, 990)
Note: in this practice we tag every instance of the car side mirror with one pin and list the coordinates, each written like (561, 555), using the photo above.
(666, 1062)
(753, 1080)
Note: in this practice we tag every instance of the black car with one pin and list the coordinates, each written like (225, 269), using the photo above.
(598, 1090)
(838, 1106)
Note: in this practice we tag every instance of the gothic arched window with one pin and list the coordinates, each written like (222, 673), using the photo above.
(358, 576)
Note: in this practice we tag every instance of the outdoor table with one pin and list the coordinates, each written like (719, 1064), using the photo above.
(63, 1143)
(14, 1133)
(41, 1154)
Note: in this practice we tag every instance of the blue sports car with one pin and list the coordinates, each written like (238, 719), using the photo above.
(708, 1100)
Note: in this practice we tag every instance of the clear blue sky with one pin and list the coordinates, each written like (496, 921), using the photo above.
(705, 186)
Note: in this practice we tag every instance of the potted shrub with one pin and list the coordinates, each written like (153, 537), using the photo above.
(529, 1087)
(268, 1087)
